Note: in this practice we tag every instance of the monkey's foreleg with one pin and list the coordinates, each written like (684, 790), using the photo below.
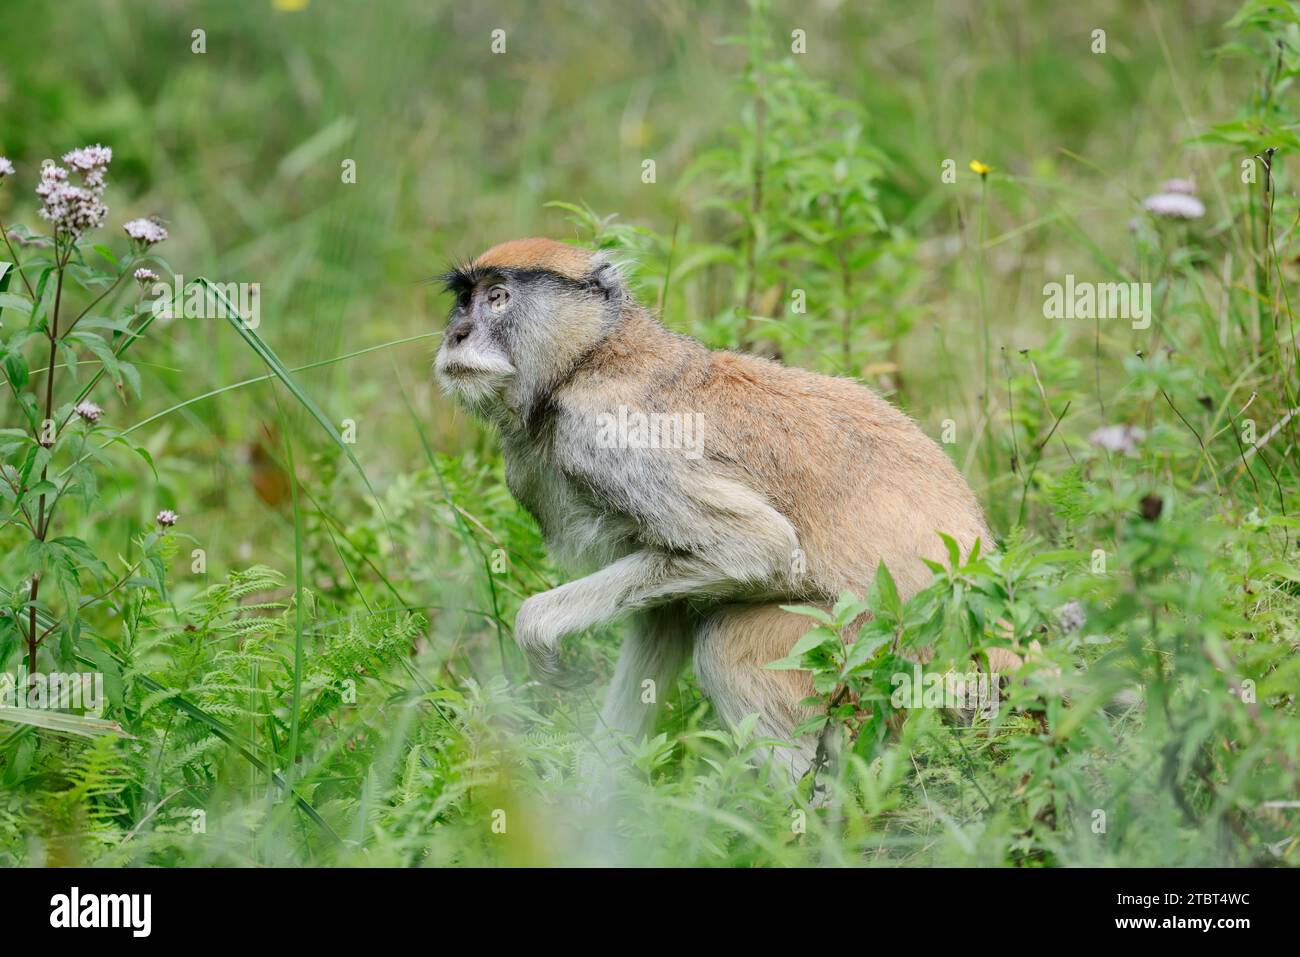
(648, 664)
(635, 581)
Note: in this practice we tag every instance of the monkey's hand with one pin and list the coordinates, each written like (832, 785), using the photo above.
(547, 619)
(634, 581)
(541, 624)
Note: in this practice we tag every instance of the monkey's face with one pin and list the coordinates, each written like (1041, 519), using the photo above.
(526, 312)
(474, 362)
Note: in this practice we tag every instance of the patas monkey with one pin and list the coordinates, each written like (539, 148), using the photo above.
(699, 490)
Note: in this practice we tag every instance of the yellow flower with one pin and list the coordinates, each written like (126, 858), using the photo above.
(290, 6)
(982, 168)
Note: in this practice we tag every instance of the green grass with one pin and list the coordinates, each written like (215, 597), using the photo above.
(369, 707)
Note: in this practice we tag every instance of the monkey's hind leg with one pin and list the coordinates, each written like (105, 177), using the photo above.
(732, 646)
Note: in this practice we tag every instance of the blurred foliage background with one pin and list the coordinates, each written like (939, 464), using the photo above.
(774, 171)
(239, 148)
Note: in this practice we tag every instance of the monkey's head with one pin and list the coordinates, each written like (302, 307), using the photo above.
(526, 313)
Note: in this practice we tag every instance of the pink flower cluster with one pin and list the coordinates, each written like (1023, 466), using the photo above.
(1176, 200)
(88, 411)
(145, 231)
(71, 208)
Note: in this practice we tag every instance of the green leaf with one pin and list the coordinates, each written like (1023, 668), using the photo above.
(141, 451)
(9, 300)
(159, 575)
(69, 355)
(745, 729)
(6, 273)
(19, 763)
(64, 723)
(786, 664)
(107, 666)
(815, 723)
(954, 550)
(814, 639)
(40, 488)
(864, 649)
(821, 615)
(810, 642)
(847, 608)
(131, 376)
(16, 369)
(1282, 570)
(884, 601)
(102, 350)
(99, 322)
(37, 458)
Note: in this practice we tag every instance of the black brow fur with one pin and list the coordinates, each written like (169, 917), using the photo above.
(461, 278)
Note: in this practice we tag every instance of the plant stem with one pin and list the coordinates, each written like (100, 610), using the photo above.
(756, 192)
(296, 701)
(984, 312)
(32, 640)
(846, 291)
(42, 521)
(53, 333)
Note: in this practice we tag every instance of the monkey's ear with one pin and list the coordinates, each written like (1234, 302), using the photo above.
(607, 279)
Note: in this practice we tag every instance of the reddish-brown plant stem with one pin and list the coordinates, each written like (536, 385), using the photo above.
(42, 521)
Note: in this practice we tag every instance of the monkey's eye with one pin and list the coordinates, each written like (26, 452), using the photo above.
(497, 297)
